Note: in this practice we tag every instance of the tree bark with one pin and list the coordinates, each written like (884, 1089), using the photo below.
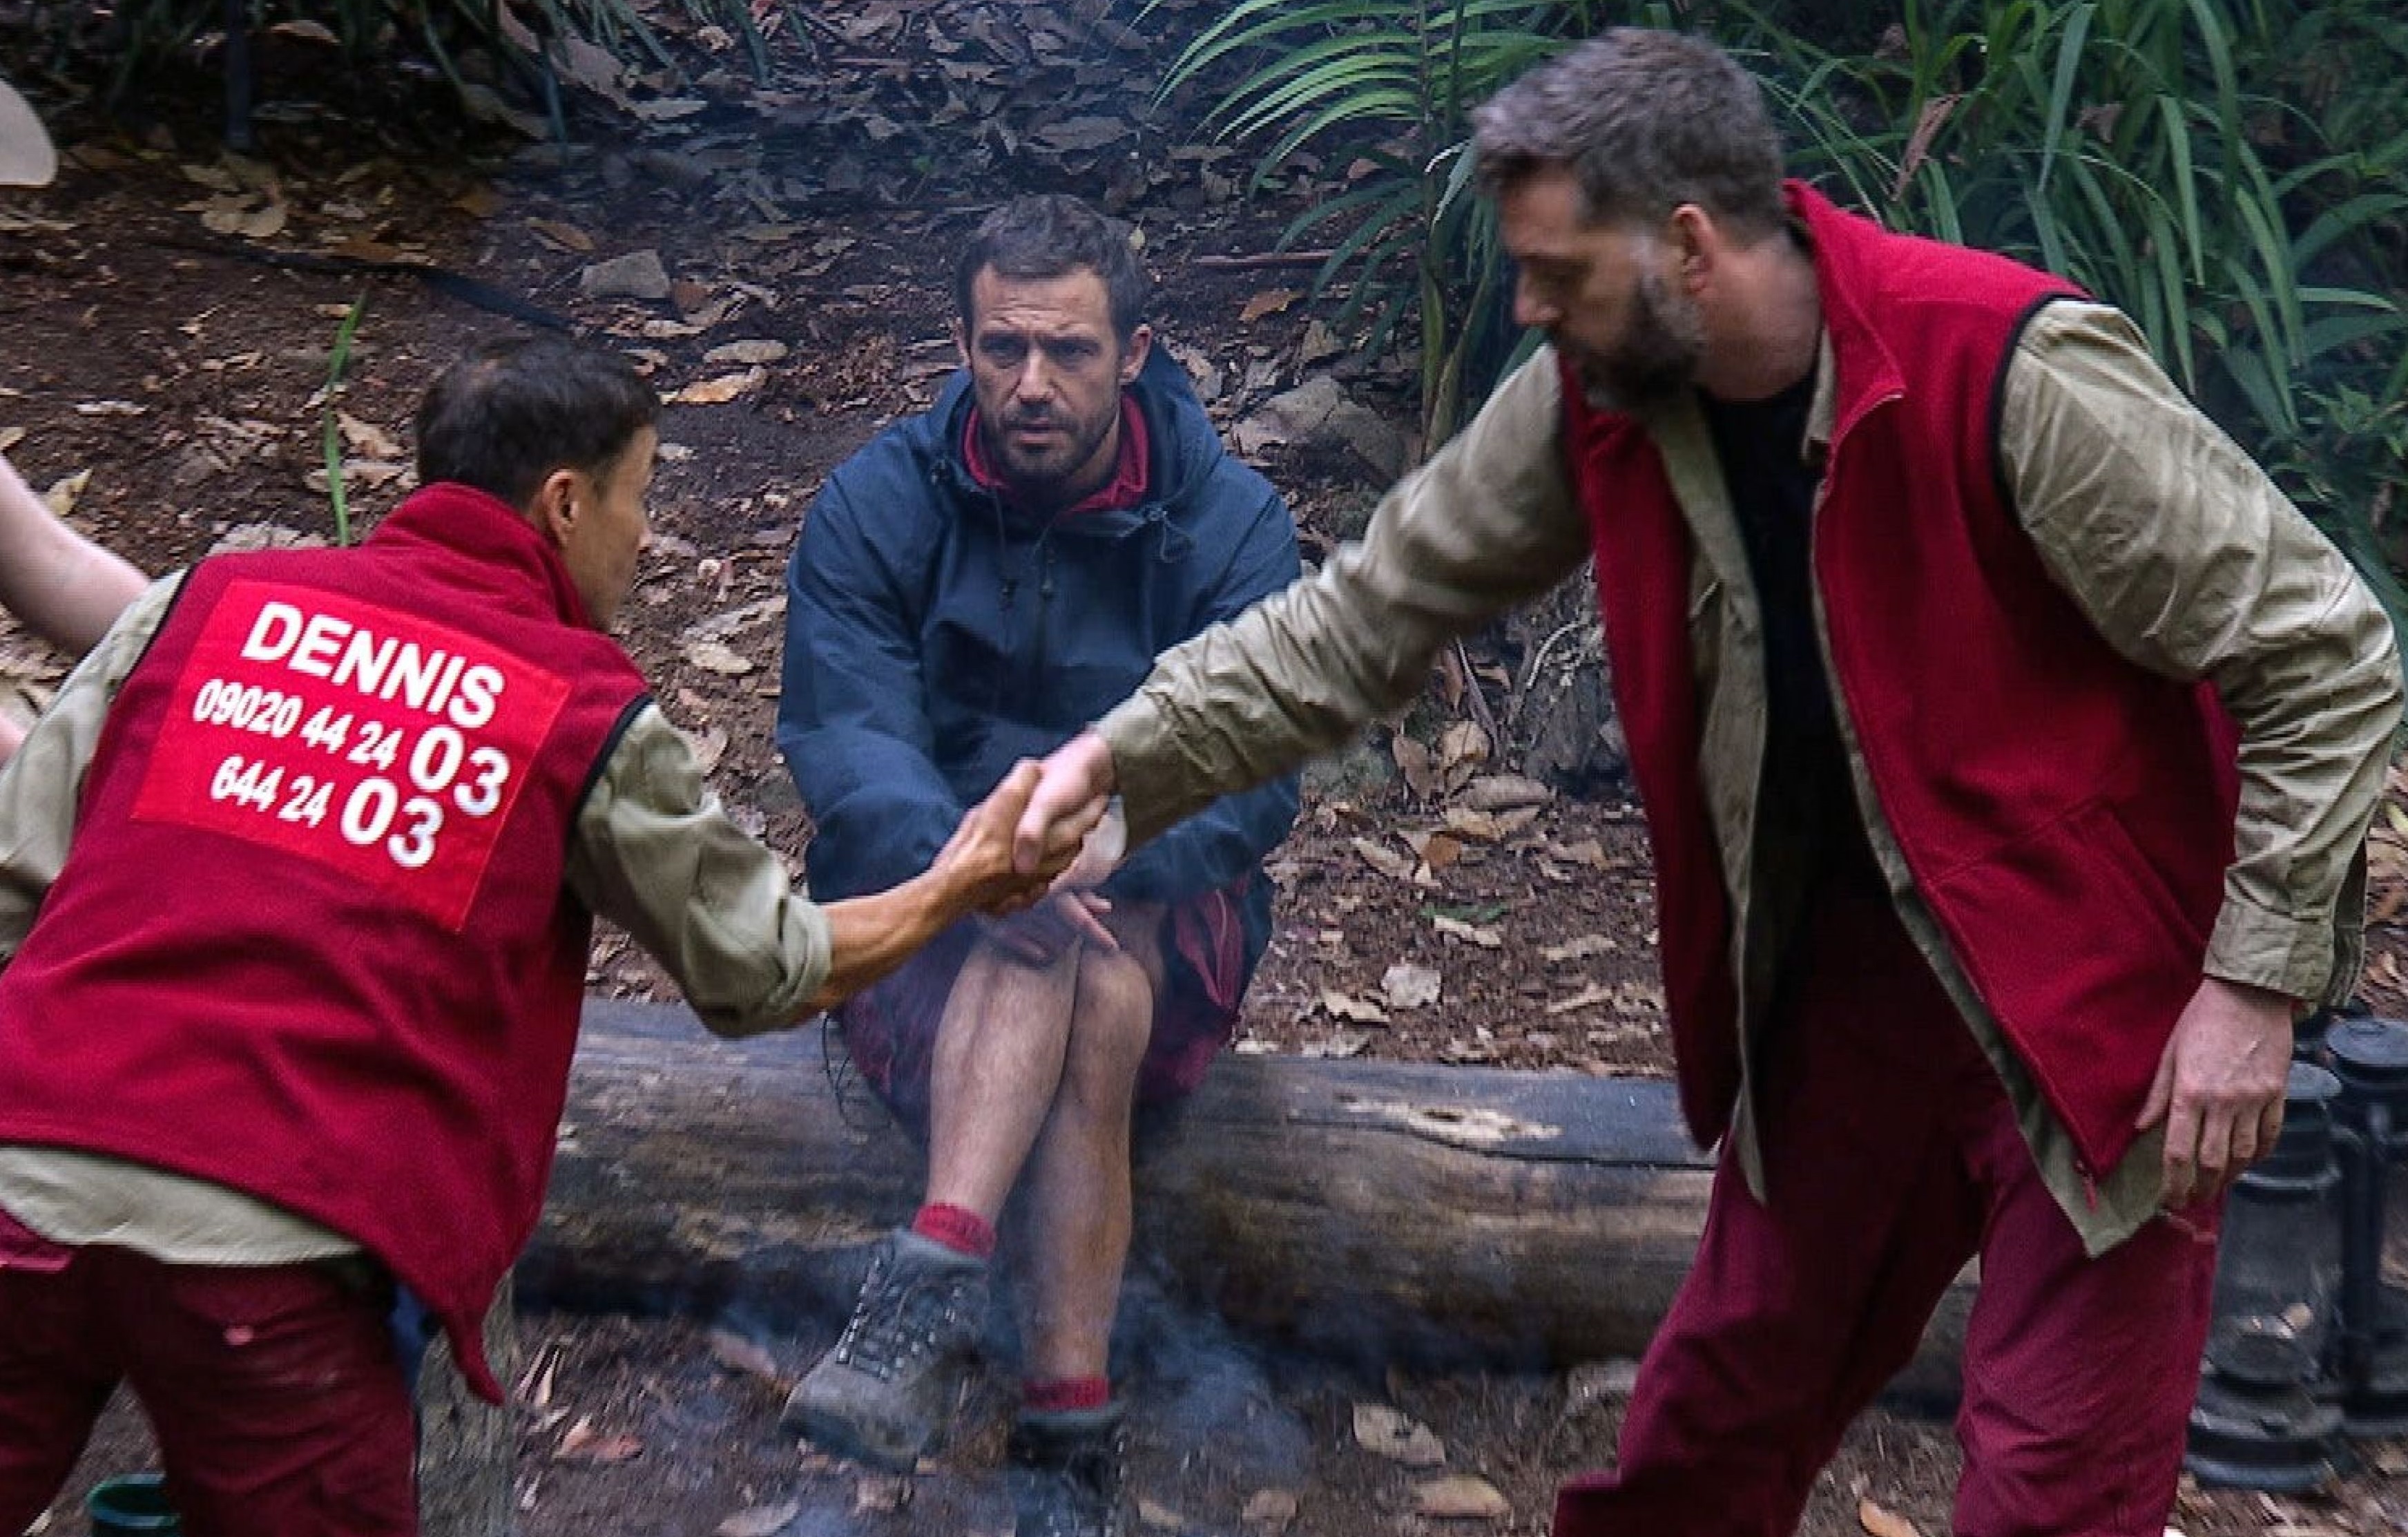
(1380, 1213)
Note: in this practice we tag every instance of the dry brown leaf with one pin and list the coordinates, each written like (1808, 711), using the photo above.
(760, 1520)
(1505, 793)
(1407, 986)
(1269, 1512)
(738, 1354)
(718, 392)
(1435, 851)
(1381, 1429)
(1414, 763)
(750, 352)
(1879, 1522)
(1462, 742)
(1454, 928)
(63, 494)
(367, 438)
(568, 237)
(1472, 823)
(1587, 997)
(1461, 1498)
(1384, 859)
(584, 1443)
(1343, 1006)
(479, 202)
(1578, 949)
(1080, 136)
(1319, 342)
(719, 657)
(1271, 301)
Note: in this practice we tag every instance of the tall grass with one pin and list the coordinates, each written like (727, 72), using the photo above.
(2231, 173)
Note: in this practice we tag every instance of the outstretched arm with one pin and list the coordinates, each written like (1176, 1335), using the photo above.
(1488, 522)
(63, 587)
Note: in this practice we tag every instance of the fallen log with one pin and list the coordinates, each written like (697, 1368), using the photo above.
(1376, 1211)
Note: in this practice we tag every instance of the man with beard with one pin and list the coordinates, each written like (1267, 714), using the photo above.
(2006, 740)
(974, 586)
(297, 877)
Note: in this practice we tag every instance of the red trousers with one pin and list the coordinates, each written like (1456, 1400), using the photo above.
(273, 1390)
(1891, 1156)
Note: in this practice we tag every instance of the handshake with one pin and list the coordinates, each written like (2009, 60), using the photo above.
(1047, 827)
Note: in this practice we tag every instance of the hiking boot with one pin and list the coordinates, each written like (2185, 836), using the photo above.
(887, 1389)
(1066, 1471)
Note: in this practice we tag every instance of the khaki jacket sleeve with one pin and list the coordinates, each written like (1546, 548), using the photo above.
(2192, 564)
(655, 852)
(1489, 521)
(42, 786)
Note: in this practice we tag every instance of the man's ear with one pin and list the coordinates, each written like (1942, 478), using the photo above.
(1141, 343)
(554, 509)
(1696, 242)
(962, 341)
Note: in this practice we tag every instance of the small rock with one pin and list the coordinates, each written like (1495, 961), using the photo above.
(1318, 412)
(1461, 1498)
(638, 275)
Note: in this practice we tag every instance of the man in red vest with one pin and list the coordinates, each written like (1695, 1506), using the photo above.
(2006, 740)
(296, 881)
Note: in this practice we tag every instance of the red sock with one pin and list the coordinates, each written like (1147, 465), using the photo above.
(958, 1228)
(1061, 1395)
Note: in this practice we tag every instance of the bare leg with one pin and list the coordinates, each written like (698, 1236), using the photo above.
(1078, 1201)
(997, 1069)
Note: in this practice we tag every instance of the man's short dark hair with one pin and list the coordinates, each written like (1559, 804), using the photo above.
(1051, 235)
(512, 411)
(1645, 121)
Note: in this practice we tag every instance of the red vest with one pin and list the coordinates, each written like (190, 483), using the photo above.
(2066, 815)
(311, 942)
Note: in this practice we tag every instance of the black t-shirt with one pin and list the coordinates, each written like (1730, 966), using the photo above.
(1807, 799)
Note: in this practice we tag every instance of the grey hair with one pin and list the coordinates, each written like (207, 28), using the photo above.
(1646, 120)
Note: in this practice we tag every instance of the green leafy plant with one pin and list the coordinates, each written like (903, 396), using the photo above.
(1390, 83)
(2150, 151)
(331, 439)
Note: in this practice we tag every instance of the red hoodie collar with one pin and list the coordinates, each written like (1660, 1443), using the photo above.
(1126, 488)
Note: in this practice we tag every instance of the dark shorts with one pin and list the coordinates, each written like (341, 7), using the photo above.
(890, 1027)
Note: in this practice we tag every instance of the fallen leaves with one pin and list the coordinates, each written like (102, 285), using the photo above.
(1879, 1521)
(719, 391)
(1269, 302)
(760, 1520)
(1385, 1432)
(1269, 1512)
(1407, 986)
(584, 1443)
(65, 492)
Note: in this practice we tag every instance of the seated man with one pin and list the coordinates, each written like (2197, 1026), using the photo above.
(59, 584)
(296, 880)
(966, 591)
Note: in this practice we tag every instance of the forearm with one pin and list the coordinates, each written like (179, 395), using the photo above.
(63, 587)
(869, 937)
(1488, 522)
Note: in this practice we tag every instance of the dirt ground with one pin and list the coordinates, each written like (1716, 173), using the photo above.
(168, 381)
